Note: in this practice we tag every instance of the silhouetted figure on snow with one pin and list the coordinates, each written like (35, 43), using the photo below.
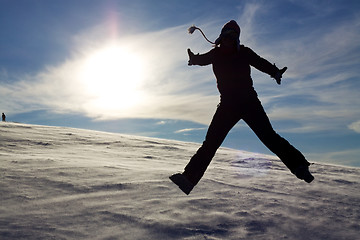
(3, 117)
(231, 65)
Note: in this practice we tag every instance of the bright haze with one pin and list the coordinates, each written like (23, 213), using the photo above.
(121, 66)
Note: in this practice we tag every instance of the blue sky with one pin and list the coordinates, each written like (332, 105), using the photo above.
(121, 66)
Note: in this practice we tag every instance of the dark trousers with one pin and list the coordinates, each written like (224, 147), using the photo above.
(229, 112)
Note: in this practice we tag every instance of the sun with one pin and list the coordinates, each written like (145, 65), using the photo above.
(112, 77)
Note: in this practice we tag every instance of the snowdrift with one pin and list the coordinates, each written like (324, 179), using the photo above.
(64, 183)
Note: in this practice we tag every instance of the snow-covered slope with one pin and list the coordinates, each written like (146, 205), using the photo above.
(64, 183)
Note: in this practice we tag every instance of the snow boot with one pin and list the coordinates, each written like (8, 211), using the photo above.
(183, 183)
(303, 173)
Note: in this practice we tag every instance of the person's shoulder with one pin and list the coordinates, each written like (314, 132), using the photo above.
(215, 50)
(245, 48)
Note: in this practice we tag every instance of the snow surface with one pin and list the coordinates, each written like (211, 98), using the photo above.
(64, 183)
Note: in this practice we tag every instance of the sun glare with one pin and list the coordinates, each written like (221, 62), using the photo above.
(112, 77)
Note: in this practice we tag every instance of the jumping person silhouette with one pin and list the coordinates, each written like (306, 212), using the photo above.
(238, 100)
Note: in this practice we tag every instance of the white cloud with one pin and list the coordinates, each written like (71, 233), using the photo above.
(321, 64)
(161, 122)
(168, 88)
(355, 126)
(185, 130)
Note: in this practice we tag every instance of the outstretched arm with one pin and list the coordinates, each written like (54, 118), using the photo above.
(199, 59)
(265, 66)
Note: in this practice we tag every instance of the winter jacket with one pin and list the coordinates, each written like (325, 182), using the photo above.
(232, 68)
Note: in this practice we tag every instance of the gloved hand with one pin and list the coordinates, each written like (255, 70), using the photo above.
(191, 54)
(279, 74)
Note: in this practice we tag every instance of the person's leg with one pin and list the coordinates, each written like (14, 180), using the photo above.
(222, 122)
(259, 122)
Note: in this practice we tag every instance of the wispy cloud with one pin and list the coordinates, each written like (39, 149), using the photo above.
(186, 130)
(167, 89)
(322, 68)
(355, 126)
(321, 58)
